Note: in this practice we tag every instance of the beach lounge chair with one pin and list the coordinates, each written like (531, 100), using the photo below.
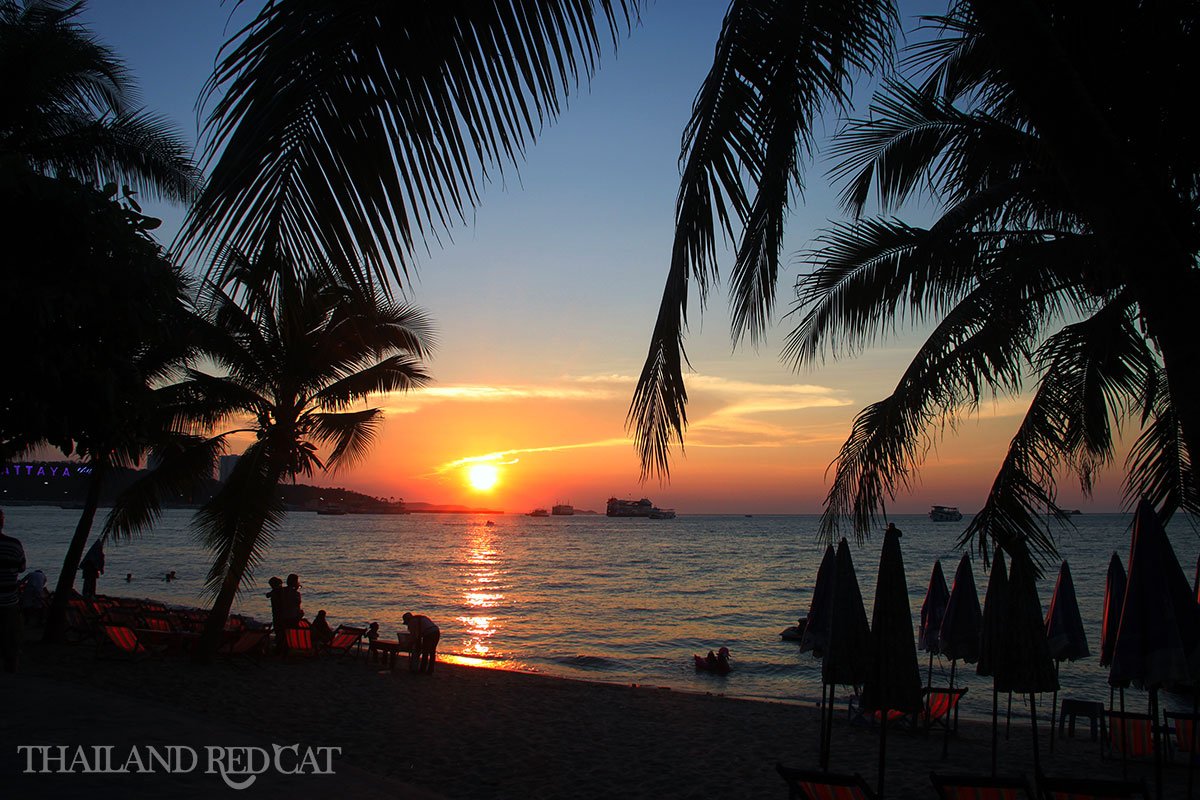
(1130, 735)
(981, 787)
(1183, 726)
(1090, 789)
(941, 708)
(858, 716)
(299, 640)
(345, 638)
(815, 785)
(248, 645)
(124, 641)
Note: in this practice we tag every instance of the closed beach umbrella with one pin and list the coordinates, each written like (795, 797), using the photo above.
(1114, 599)
(1065, 636)
(961, 625)
(894, 679)
(848, 653)
(995, 604)
(1159, 634)
(816, 628)
(932, 612)
(1024, 665)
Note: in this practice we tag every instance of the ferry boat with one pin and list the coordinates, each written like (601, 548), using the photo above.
(538, 512)
(945, 514)
(662, 513)
(629, 508)
(562, 510)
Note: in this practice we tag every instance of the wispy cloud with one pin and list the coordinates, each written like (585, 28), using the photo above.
(507, 457)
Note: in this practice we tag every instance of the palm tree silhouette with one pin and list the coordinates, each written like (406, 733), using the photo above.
(297, 352)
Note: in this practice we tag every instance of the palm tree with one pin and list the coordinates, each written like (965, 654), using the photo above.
(67, 107)
(296, 352)
(1026, 243)
(359, 132)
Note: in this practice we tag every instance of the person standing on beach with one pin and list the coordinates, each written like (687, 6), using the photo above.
(292, 612)
(425, 636)
(12, 564)
(276, 598)
(93, 568)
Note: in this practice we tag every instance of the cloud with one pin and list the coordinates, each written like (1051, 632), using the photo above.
(506, 457)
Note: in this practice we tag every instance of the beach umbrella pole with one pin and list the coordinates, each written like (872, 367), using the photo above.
(1156, 732)
(995, 725)
(1054, 708)
(1037, 762)
(1192, 744)
(1008, 718)
(946, 736)
(883, 726)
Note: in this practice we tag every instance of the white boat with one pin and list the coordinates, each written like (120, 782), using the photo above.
(945, 514)
(538, 512)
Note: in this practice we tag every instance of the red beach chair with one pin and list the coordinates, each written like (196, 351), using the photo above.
(1184, 726)
(345, 638)
(124, 640)
(941, 709)
(299, 640)
(247, 644)
(1130, 735)
(980, 787)
(814, 785)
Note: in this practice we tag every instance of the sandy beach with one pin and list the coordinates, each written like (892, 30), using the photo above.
(466, 732)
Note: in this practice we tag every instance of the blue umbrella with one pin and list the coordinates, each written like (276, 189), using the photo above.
(1065, 636)
(932, 612)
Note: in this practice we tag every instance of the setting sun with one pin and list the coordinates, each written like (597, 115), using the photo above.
(482, 477)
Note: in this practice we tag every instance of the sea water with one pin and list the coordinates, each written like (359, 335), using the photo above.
(618, 600)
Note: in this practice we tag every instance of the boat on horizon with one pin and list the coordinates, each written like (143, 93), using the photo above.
(662, 513)
(331, 510)
(945, 514)
(538, 512)
(562, 510)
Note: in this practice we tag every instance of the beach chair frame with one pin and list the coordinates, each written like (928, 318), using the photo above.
(806, 784)
(941, 708)
(299, 640)
(1130, 735)
(124, 641)
(1183, 728)
(981, 787)
(345, 638)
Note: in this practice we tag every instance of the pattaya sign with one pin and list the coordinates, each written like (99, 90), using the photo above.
(44, 470)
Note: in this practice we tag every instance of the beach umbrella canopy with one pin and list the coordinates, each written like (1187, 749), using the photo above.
(1064, 627)
(933, 610)
(848, 654)
(816, 629)
(1023, 664)
(995, 606)
(1159, 634)
(893, 679)
(1114, 599)
(963, 620)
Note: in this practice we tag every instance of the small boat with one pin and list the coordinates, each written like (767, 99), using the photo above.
(718, 664)
(331, 510)
(489, 524)
(538, 512)
(796, 632)
(945, 514)
(662, 513)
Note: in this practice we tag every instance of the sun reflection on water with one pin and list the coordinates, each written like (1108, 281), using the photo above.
(482, 593)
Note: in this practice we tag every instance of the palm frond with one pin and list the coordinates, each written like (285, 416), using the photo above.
(351, 434)
(352, 132)
(1159, 467)
(184, 465)
(394, 374)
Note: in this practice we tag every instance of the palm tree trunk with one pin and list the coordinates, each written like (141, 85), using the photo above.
(214, 627)
(56, 620)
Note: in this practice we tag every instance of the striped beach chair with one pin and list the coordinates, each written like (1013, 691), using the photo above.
(299, 640)
(123, 641)
(941, 708)
(815, 785)
(345, 638)
(981, 787)
(1130, 735)
(1183, 726)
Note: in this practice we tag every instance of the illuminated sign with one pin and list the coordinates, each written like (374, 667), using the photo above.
(45, 470)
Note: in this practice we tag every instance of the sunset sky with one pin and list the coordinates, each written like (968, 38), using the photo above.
(545, 302)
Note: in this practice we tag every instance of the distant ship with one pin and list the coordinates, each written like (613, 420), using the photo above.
(945, 514)
(638, 508)
(538, 512)
(629, 508)
(331, 510)
(563, 510)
